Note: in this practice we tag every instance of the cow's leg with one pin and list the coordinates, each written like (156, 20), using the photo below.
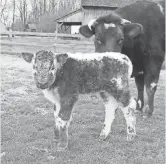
(63, 120)
(139, 80)
(129, 114)
(110, 105)
(151, 86)
(151, 80)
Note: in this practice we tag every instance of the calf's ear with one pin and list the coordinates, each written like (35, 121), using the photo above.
(27, 56)
(61, 58)
(133, 29)
(85, 31)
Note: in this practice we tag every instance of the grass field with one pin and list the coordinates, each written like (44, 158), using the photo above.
(27, 126)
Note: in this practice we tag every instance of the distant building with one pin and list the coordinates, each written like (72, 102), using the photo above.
(88, 9)
(31, 27)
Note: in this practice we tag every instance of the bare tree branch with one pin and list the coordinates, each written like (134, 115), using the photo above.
(3, 8)
(23, 10)
(14, 7)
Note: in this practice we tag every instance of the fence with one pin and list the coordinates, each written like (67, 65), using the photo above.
(16, 42)
(11, 34)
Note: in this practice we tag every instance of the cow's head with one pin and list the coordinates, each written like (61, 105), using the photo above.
(45, 66)
(110, 32)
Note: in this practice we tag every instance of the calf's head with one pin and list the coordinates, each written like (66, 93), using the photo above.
(45, 65)
(110, 32)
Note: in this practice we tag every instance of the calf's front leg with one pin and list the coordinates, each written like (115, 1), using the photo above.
(63, 120)
(63, 133)
(110, 105)
(53, 96)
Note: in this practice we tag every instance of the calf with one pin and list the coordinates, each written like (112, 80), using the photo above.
(62, 77)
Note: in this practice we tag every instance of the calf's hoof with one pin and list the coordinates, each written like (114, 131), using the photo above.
(138, 111)
(147, 115)
(130, 137)
(62, 146)
(102, 136)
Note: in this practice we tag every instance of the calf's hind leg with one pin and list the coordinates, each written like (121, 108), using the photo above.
(129, 114)
(56, 128)
(110, 105)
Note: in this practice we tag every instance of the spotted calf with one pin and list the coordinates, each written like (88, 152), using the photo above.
(62, 77)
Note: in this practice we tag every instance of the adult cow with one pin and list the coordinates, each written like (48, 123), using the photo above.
(62, 77)
(137, 30)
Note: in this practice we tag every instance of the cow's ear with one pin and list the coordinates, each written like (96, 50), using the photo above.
(27, 56)
(61, 58)
(85, 31)
(133, 29)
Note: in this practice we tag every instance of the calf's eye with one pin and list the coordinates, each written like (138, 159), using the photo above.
(98, 40)
(120, 40)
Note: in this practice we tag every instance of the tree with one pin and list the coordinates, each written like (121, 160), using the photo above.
(52, 6)
(23, 12)
(14, 7)
(44, 6)
(4, 8)
(35, 11)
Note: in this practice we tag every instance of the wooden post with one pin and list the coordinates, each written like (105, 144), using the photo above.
(56, 35)
(10, 33)
(56, 32)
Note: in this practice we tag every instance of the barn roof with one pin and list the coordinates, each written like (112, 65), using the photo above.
(106, 3)
(73, 18)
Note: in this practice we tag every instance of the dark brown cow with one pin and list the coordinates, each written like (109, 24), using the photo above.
(62, 77)
(137, 30)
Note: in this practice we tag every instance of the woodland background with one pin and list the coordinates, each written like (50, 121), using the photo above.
(15, 14)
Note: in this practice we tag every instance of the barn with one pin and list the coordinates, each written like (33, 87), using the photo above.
(31, 27)
(88, 9)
